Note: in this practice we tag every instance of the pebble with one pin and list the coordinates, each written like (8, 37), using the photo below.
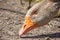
(47, 38)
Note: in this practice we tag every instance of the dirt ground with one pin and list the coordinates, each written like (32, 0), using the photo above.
(11, 20)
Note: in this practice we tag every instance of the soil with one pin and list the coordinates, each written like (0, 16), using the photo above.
(11, 20)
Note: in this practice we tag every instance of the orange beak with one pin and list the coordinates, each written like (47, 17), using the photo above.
(27, 26)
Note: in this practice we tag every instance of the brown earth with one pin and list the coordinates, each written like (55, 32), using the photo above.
(11, 20)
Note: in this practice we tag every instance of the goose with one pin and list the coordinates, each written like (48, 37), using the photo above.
(40, 14)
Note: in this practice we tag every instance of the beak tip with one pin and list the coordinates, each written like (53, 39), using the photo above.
(20, 33)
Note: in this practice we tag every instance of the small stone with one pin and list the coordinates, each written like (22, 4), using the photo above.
(1, 15)
(47, 38)
(11, 33)
(1, 0)
(0, 36)
(0, 21)
(6, 18)
(58, 26)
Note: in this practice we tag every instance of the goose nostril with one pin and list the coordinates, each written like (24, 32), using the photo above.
(24, 26)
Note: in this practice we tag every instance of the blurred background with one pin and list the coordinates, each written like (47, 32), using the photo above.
(12, 14)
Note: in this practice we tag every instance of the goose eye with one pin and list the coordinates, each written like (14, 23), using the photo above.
(34, 13)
